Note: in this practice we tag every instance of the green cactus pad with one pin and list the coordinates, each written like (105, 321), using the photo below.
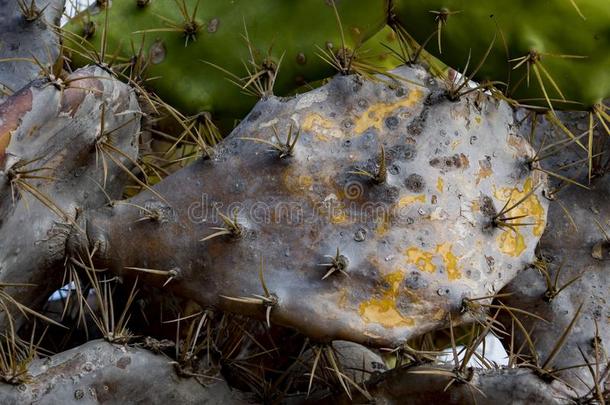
(298, 31)
(548, 34)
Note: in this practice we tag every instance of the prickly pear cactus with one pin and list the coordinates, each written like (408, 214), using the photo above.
(29, 41)
(566, 288)
(69, 143)
(371, 212)
(257, 44)
(545, 52)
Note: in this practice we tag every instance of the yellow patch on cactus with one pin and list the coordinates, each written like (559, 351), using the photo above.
(321, 127)
(511, 243)
(376, 113)
(383, 310)
(530, 207)
(440, 184)
(410, 199)
(449, 260)
(423, 259)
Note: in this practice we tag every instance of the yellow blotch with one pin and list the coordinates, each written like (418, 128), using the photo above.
(421, 259)
(484, 171)
(530, 207)
(511, 243)
(383, 310)
(383, 226)
(477, 119)
(305, 181)
(449, 260)
(339, 218)
(475, 207)
(321, 138)
(321, 127)
(376, 113)
(410, 199)
(440, 184)
(5, 139)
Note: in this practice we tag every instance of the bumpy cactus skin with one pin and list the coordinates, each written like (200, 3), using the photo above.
(51, 170)
(25, 37)
(410, 248)
(292, 29)
(551, 30)
(574, 250)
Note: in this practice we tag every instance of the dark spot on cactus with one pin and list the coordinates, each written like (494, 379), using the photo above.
(487, 207)
(416, 126)
(88, 29)
(123, 362)
(360, 235)
(415, 183)
(101, 3)
(601, 250)
(596, 342)
(414, 281)
(347, 143)
(348, 123)
(142, 3)
(79, 394)
(392, 122)
(448, 163)
(394, 169)
(391, 194)
(213, 25)
(401, 152)
(157, 52)
(362, 103)
(435, 97)
(254, 115)
(300, 80)
(301, 58)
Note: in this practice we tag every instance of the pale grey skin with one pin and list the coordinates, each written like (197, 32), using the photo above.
(415, 385)
(19, 38)
(56, 128)
(470, 145)
(575, 245)
(99, 372)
